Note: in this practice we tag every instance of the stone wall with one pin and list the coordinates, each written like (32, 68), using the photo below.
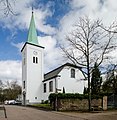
(73, 104)
(78, 105)
(105, 103)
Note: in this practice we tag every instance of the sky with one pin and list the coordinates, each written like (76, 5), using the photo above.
(54, 19)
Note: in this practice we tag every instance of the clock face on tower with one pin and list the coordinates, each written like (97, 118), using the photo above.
(35, 53)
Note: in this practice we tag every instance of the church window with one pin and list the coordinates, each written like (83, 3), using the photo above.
(24, 84)
(33, 59)
(51, 86)
(44, 87)
(72, 73)
(36, 59)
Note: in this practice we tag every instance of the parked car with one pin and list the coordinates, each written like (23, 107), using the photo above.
(18, 102)
(6, 102)
(11, 102)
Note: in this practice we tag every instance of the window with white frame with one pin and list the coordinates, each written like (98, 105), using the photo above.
(35, 59)
(51, 86)
(44, 87)
(72, 73)
(24, 84)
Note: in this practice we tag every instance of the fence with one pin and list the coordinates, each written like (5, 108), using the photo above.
(112, 101)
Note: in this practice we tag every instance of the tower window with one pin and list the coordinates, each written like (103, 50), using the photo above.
(51, 86)
(24, 84)
(35, 60)
(44, 87)
(72, 73)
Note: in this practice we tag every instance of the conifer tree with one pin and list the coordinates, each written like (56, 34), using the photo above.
(63, 90)
(96, 80)
(110, 85)
(85, 91)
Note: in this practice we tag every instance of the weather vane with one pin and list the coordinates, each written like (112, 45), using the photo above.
(32, 8)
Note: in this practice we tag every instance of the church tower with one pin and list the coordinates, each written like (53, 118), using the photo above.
(32, 67)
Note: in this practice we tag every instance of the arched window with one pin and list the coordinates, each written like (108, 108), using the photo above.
(24, 84)
(35, 60)
(72, 73)
(51, 86)
(44, 87)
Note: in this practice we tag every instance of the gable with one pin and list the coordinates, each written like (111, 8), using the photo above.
(54, 73)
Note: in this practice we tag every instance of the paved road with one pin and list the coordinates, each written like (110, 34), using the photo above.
(24, 113)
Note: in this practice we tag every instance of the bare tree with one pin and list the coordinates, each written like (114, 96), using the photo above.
(7, 6)
(87, 44)
(12, 90)
(1, 85)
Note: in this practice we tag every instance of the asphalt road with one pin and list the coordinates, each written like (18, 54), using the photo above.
(25, 113)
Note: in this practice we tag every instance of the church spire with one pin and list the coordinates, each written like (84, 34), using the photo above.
(32, 34)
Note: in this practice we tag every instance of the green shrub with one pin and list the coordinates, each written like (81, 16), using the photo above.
(53, 96)
(46, 102)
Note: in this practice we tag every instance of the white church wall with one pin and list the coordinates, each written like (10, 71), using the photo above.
(24, 72)
(46, 94)
(34, 75)
(71, 85)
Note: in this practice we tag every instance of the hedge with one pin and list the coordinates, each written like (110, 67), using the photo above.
(53, 96)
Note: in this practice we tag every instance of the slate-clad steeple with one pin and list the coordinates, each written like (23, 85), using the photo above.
(32, 34)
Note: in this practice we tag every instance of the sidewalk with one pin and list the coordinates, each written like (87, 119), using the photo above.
(99, 115)
(2, 114)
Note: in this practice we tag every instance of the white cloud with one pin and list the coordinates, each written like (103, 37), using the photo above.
(18, 45)
(94, 9)
(107, 11)
(22, 19)
(10, 70)
(52, 54)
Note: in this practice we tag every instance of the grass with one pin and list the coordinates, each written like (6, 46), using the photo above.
(43, 106)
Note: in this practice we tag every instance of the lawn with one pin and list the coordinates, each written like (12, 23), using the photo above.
(44, 106)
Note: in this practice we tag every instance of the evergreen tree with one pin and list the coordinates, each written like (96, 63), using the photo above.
(110, 85)
(63, 90)
(85, 91)
(96, 80)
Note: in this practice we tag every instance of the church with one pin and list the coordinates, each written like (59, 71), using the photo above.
(36, 86)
